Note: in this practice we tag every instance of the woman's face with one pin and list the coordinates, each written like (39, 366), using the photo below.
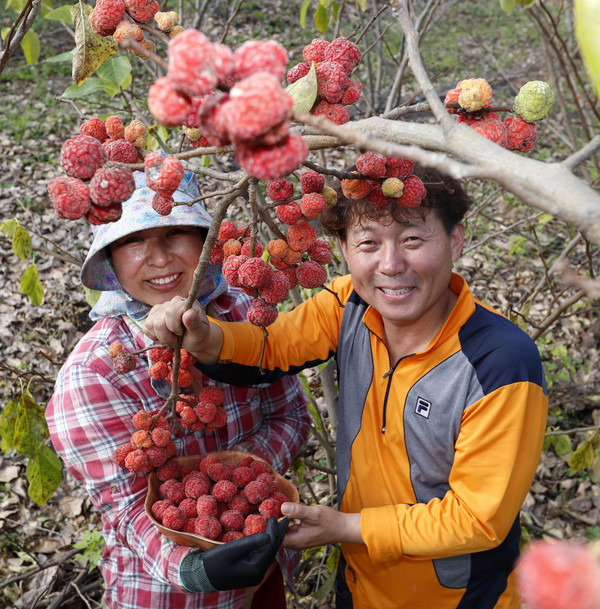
(155, 264)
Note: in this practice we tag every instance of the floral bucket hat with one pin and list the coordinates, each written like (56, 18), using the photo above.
(97, 272)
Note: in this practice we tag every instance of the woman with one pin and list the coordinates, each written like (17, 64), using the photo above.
(139, 261)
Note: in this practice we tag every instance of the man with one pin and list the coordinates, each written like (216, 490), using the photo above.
(442, 408)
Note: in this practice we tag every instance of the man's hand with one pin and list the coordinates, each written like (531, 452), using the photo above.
(319, 525)
(167, 321)
(242, 563)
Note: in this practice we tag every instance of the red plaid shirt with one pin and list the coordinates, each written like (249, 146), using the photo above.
(90, 414)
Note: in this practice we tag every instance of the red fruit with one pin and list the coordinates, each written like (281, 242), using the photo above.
(95, 128)
(217, 254)
(158, 371)
(187, 359)
(142, 10)
(311, 205)
(169, 106)
(220, 419)
(288, 213)
(142, 419)
(414, 192)
(173, 490)
(113, 183)
(399, 168)
(270, 162)
(297, 72)
(230, 268)
(188, 507)
(270, 507)
(174, 518)
(254, 273)
(162, 205)
(115, 348)
(256, 106)
(135, 133)
(232, 520)
(70, 197)
(106, 16)
(114, 127)
(241, 476)
(259, 56)
(103, 215)
(280, 190)
(301, 236)
(355, 189)
(211, 394)
(196, 485)
(255, 523)
(157, 455)
(219, 471)
(376, 197)
(159, 507)
(163, 174)
(161, 437)
(311, 274)
(521, 135)
(231, 536)
(492, 128)
(371, 164)
(231, 247)
(141, 439)
(342, 51)
(124, 362)
(160, 354)
(227, 230)
(168, 470)
(336, 113)
(224, 491)
(121, 452)
(315, 51)
(559, 574)
(137, 462)
(206, 505)
(311, 181)
(277, 289)
(81, 156)
(190, 67)
(452, 97)
(222, 63)
(121, 151)
(125, 30)
(262, 313)
(320, 251)
(208, 526)
(332, 81)
(206, 411)
(352, 93)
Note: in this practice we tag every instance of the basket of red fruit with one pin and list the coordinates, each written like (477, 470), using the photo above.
(203, 501)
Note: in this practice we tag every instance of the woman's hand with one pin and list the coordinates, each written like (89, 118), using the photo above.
(168, 321)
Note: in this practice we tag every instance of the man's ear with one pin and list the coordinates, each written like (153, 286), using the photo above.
(343, 248)
(457, 240)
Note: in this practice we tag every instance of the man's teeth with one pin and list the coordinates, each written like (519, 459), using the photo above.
(164, 280)
(395, 292)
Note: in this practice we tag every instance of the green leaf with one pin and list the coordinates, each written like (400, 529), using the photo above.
(582, 457)
(562, 444)
(321, 18)
(332, 559)
(3, 32)
(507, 5)
(31, 47)
(62, 13)
(326, 588)
(115, 71)
(68, 56)
(32, 286)
(587, 26)
(8, 227)
(21, 242)
(91, 296)
(304, 90)
(44, 474)
(91, 85)
(31, 429)
(303, 11)
(8, 419)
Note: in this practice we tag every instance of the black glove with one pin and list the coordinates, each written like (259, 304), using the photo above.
(237, 564)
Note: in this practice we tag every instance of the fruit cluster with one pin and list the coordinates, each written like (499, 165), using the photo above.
(232, 97)
(163, 175)
(204, 412)
(470, 101)
(216, 499)
(97, 179)
(334, 63)
(382, 180)
(150, 446)
(162, 366)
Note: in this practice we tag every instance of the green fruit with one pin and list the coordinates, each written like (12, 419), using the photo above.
(534, 100)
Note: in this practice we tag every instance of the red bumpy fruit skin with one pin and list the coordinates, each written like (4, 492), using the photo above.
(106, 16)
(315, 51)
(320, 251)
(336, 113)
(113, 183)
(261, 313)
(352, 93)
(232, 520)
(414, 192)
(231, 247)
(231, 264)
(227, 230)
(271, 162)
(169, 106)
(114, 127)
(452, 97)
(342, 51)
(255, 107)
(70, 197)
(224, 491)
(94, 127)
(254, 273)
(332, 81)
(311, 274)
(289, 213)
(492, 128)
(399, 168)
(259, 56)
(137, 462)
(355, 189)
(142, 10)
(301, 236)
(280, 190)
(277, 289)
(81, 156)
(311, 181)
(312, 205)
(162, 205)
(121, 151)
(163, 174)
(190, 65)
(208, 526)
(371, 164)
(104, 215)
(521, 135)
(255, 523)
(125, 30)
(174, 518)
(297, 72)
(124, 362)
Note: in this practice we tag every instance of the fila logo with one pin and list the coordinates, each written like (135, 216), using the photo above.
(422, 407)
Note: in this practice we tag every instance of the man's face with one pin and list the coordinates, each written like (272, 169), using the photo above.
(403, 269)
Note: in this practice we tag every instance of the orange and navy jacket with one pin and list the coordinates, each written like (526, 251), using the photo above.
(436, 451)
